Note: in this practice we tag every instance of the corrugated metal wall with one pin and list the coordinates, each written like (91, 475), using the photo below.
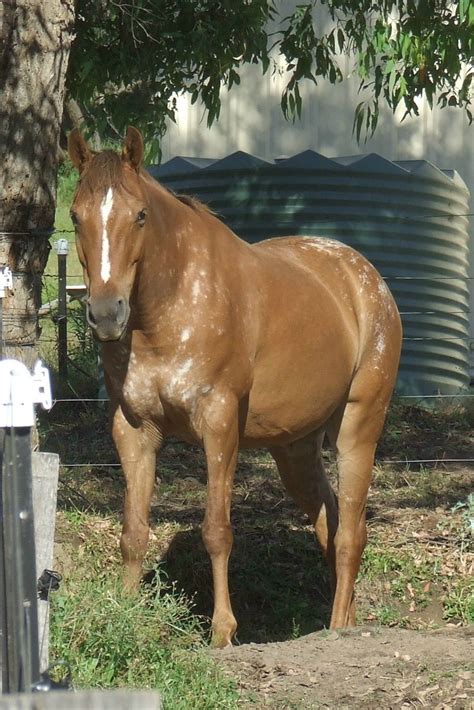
(404, 216)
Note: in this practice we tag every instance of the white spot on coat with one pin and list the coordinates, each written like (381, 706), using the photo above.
(180, 373)
(380, 344)
(196, 291)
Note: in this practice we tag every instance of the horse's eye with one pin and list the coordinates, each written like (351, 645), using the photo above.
(74, 218)
(141, 217)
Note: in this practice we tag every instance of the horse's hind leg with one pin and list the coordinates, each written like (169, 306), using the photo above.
(355, 434)
(302, 471)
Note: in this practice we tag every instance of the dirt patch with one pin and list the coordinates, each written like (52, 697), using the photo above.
(361, 668)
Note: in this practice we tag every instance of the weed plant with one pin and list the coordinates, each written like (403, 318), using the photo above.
(152, 640)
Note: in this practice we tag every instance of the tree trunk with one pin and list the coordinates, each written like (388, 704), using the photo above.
(35, 40)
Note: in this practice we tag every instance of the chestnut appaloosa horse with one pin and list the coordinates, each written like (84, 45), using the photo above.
(212, 340)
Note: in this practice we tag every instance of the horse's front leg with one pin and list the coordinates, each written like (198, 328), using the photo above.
(220, 437)
(137, 452)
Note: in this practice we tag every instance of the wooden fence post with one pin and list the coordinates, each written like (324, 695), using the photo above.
(45, 486)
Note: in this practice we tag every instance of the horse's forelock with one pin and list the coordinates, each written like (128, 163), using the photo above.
(104, 171)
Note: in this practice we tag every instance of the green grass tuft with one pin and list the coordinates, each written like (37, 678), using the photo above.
(152, 640)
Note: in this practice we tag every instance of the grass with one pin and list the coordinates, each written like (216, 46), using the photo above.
(418, 564)
(110, 639)
(437, 432)
(416, 573)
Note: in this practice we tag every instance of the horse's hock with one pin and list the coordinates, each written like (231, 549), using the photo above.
(407, 217)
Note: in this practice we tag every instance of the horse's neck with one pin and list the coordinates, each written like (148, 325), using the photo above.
(178, 246)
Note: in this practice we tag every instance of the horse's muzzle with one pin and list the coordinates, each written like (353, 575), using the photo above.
(107, 316)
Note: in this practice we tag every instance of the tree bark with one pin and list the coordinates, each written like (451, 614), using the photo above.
(35, 38)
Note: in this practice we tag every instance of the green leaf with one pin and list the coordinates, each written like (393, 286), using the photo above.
(402, 87)
(392, 80)
(389, 67)
(358, 119)
(298, 101)
(129, 58)
(340, 39)
(291, 101)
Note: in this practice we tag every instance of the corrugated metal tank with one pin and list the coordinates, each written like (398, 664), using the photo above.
(408, 218)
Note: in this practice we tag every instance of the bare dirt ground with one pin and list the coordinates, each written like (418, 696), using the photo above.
(362, 668)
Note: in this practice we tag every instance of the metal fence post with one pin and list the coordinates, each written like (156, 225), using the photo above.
(62, 250)
(21, 667)
(6, 282)
(18, 580)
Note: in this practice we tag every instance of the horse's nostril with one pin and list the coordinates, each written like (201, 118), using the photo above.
(121, 310)
(107, 316)
(90, 317)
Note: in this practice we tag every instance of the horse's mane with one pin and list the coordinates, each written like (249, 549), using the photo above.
(192, 202)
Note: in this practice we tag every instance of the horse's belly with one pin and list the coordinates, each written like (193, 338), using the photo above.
(287, 403)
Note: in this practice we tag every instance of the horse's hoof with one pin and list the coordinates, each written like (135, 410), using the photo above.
(219, 641)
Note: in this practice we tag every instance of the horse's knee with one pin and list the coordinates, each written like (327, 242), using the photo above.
(217, 539)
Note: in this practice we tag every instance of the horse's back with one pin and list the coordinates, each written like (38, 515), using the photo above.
(336, 282)
(339, 275)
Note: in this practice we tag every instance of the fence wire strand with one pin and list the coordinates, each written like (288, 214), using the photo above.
(384, 462)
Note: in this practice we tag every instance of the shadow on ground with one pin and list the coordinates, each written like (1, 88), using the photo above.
(278, 581)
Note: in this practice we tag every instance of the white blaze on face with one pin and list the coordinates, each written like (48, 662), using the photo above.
(105, 208)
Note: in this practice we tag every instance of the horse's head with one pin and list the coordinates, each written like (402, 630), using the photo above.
(109, 213)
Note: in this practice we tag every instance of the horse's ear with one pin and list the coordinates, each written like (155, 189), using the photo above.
(132, 150)
(79, 151)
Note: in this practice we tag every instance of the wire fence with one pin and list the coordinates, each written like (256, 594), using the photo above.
(57, 310)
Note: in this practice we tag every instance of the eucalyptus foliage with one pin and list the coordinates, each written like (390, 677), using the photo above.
(402, 51)
(131, 58)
